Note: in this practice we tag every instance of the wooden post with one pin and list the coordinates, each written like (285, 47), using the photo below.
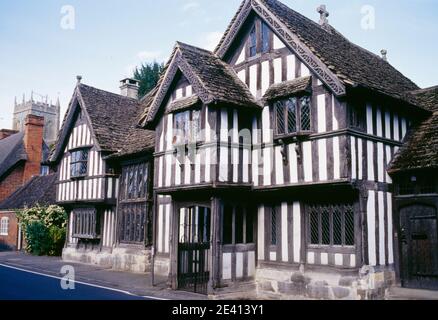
(214, 261)
(173, 242)
(363, 199)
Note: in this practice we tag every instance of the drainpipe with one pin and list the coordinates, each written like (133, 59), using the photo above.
(19, 237)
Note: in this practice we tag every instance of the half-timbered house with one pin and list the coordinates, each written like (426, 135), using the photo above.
(271, 157)
(107, 200)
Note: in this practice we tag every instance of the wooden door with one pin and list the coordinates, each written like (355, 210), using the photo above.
(419, 246)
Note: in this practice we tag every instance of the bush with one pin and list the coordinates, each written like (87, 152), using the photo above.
(57, 240)
(44, 229)
(37, 238)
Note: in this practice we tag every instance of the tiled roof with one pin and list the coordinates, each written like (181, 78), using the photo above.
(113, 120)
(38, 190)
(138, 140)
(11, 152)
(218, 81)
(420, 150)
(184, 103)
(284, 89)
(353, 65)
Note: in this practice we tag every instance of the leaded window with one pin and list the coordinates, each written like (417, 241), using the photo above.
(274, 222)
(265, 38)
(292, 115)
(238, 225)
(86, 224)
(253, 42)
(134, 182)
(187, 126)
(79, 163)
(133, 208)
(331, 225)
(305, 113)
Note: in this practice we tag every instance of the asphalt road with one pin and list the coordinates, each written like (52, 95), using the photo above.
(20, 285)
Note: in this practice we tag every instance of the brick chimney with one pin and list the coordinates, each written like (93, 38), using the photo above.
(33, 143)
(4, 133)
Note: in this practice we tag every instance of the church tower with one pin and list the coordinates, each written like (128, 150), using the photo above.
(40, 106)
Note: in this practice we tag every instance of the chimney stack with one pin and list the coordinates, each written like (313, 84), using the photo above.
(33, 144)
(129, 88)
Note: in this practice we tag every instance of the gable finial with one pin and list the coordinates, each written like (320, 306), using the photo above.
(79, 78)
(324, 14)
(384, 53)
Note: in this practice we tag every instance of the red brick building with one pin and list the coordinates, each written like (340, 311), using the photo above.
(38, 190)
(21, 155)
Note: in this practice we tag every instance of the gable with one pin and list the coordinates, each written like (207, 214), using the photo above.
(271, 61)
(210, 78)
(80, 133)
(257, 8)
(239, 50)
(182, 95)
(76, 130)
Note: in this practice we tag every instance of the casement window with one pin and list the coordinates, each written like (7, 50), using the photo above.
(133, 209)
(134, 182)
(45, 170)
(238, 225)
(253, 42)
(266, 38)
(187, 125)
(292, 116)
(79, 163)
(4, 226)
(274, 225)
(86, 224)
(331, 225)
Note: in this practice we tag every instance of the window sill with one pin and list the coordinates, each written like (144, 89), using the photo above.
(4, 234)
(299, 136)
(78, 178)
(85, 237)
(332, 249)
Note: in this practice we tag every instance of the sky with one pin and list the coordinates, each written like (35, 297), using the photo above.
(45, 44)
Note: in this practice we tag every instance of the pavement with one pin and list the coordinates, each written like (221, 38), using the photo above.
(92, 281)
(25, 277)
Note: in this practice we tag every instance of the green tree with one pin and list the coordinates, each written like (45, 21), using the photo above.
(148, 74)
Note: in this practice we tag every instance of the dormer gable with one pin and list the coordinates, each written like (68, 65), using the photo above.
(212, 80)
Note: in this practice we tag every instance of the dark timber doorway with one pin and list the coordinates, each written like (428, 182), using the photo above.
(194, 249)
(419, 246)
